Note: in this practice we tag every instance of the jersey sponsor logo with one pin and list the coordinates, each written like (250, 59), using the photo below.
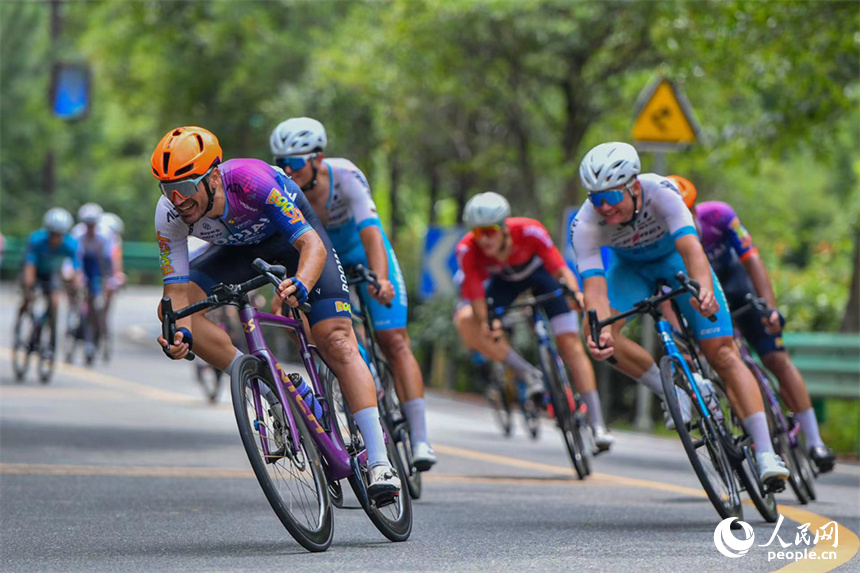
(344, 285)
(342, 306)
(164, 254)
(538, 233)
(172, 215)
(742, 233)
(286, 205)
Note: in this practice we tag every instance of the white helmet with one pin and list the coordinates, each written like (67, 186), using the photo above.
(90, 213)
(113, 222)
(609, 165)
(485, 209)
(297, 136)
(58, 220)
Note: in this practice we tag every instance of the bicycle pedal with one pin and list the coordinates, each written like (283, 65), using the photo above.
(386, 500)
(774, 485)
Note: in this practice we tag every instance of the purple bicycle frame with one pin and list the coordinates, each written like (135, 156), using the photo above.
(764, 384)
(337, 460)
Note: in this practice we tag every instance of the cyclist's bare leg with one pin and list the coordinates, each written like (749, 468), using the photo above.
(791, 384)
(744, 393)
(472, 336)
(395, 345)
(633, 359)
(573, 352)
(339, 348)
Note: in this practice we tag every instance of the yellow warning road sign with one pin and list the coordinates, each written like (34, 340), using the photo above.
(664, 116)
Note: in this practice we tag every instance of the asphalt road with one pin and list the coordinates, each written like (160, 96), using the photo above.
(124, 467)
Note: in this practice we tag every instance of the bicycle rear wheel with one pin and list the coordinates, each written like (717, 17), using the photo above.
(46, 349)
(401, 431)
(573, 429)
(804, 464)
(294, 481)
(394, 519)
(22, 338)
(497, 396)
(702, 443)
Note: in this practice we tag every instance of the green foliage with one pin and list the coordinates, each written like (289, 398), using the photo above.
(440, 99)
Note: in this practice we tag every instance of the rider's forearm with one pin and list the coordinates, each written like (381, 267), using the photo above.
(596, 297)
(179, 298)
(565, 275)
(312, 257)
(761, 281)
(695, 260)
(377, 258)
(479, 309)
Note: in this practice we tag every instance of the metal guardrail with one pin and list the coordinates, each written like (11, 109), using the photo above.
(137, 256)
(829, 362)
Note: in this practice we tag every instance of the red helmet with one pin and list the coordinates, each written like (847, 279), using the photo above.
(687, 189)
(185, 152)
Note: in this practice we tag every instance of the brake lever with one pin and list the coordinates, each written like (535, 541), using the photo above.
(594, 327)
(693, 287)
(168, 328)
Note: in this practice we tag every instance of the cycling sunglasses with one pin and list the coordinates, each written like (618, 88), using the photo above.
(294, 162)
(186, 188)
(487, 231)
(611, 196)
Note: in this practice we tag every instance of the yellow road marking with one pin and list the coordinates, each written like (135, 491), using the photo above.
(849, 543)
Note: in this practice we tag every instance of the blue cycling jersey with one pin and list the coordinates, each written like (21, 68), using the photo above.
(46, 259)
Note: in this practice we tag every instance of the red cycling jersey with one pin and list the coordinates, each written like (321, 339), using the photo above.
(532, 248)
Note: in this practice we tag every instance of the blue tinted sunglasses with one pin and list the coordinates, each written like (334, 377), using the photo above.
(613, 197)
(294, 162)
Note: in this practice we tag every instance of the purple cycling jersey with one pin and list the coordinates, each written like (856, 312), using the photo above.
(261, 201)
(725, 240)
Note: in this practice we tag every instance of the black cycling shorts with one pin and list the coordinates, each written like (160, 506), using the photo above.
(328, 298)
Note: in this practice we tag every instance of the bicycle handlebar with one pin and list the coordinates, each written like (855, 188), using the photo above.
(648, 305)
(758, 303)
(222, 294)
(361, 274)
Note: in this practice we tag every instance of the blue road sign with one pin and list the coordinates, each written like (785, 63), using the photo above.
(440, 261)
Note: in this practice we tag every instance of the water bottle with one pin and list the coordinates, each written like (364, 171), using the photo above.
(307, 394)
(706, 387)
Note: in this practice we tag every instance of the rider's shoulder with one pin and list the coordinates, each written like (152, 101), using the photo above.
(167, 219)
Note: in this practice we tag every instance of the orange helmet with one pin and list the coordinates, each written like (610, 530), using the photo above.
(185, 152)
(687, 189)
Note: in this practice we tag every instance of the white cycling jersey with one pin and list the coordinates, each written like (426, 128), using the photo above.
(350, 205)
(663, 218)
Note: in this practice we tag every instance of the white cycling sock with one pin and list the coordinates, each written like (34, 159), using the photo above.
(756, 427)
(809, 425)
(592, 400)
(415, 413)
(236, 357)
(371, 430)
(519, 364)
(651, 379)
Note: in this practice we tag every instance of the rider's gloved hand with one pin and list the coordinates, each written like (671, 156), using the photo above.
(385, 293)
(707, 304)
(607, 345)
(181, 345)
(774, 322)
(293, 292)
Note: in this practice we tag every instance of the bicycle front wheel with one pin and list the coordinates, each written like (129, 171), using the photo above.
(21, 351)
(571, 425)
(46, 350)
(499, 399)
(702, 443)
(294, 481)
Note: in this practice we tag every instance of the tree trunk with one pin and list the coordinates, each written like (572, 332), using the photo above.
(394, 186)
(851, 320)
(433, 178)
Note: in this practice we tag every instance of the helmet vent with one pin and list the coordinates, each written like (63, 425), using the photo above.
(199, 141)
(177, 132)
(165, 162)
(183, 170)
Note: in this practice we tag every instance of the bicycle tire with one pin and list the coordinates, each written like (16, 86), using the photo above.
(568, 423)
(804, 464)
(401, 430)
(782, 447)
(24, 325)
(394, 520)
(497, 396)
(209, 378)
(46, 350)
(249, 370)
(727, 500)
